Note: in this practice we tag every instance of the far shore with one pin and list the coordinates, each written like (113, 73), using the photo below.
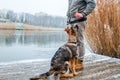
(17, 26)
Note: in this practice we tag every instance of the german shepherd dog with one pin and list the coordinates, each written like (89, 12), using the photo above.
(64, 59)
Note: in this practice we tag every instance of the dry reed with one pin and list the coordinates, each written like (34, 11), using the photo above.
(103, 30)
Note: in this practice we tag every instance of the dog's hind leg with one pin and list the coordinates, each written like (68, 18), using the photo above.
(78, 64)
(63, 74)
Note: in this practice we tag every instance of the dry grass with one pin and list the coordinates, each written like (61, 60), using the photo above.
(8, 26)
(32, 27)
(12, 26)
(103, 31)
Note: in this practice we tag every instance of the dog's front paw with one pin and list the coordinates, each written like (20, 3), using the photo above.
(76, 73)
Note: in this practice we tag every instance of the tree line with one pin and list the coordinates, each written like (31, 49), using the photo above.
(38, 19)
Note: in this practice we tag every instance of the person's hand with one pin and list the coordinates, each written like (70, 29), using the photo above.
(78, 15)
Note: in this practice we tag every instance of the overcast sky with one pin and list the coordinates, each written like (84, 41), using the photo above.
(52, 7)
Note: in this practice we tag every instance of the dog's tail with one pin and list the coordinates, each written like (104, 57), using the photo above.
(43, 76)
(47, 74)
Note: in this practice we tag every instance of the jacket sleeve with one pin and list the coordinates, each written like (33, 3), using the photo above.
(90, 7)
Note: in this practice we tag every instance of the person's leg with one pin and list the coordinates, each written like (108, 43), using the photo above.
(79, 29)
(80, 39)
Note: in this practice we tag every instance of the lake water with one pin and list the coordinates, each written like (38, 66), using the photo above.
(18, 45)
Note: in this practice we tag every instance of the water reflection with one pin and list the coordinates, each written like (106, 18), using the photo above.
(11, 37)
(16, 45)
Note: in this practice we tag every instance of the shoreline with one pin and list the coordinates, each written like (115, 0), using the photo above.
(29, 60)
(96, 67)
(23, 61)
(19, 26)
